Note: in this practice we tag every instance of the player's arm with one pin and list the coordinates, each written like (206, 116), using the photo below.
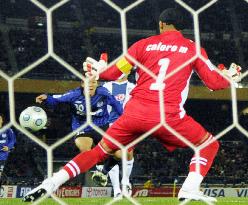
(108, 86)
(130, 87)
(47, 100)
(123, 65)
(11, 141)
(234, 71)
(41, 98)
(99, 68)
(53, 100)
(116, 105)
(207, 72)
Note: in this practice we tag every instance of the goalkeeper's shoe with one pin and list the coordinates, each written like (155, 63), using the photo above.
(194, 195)
(99, 178)
(47, 187)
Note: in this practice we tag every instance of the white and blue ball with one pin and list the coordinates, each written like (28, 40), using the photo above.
(33, 118)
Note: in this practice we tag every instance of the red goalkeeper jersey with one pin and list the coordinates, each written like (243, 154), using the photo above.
(163, 54)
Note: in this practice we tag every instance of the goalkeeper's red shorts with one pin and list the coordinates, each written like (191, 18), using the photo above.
(128, 128)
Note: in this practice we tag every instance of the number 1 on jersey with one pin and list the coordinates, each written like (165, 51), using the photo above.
(159, 84)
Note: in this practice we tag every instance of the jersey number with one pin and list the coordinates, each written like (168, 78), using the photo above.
(159, 84)
(79, 107)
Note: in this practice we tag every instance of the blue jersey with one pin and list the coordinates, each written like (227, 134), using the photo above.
(121, 91)
(76, 99)
(7, 138)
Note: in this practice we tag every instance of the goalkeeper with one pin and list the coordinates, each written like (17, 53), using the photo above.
(162, 55)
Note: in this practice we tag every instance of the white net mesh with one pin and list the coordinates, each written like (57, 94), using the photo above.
(122, 12)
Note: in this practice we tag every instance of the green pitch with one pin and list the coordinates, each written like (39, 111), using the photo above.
(145, 201)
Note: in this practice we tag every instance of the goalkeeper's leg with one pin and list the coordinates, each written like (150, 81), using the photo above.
(79, 164)
(84, 161)
(197, 135)
(191, 186)
(100, 176)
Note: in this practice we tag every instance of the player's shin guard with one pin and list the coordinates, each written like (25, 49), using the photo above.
(207, 155)
(84, 161)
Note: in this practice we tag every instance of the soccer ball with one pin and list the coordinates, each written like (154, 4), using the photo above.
(33, 118)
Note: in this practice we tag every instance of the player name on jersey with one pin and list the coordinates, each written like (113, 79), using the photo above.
(162, 47)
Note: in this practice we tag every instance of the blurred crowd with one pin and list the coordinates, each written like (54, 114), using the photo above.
(83, 29)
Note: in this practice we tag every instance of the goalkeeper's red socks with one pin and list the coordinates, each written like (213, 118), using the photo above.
(84, 161)
(79, 164)
(207, 155)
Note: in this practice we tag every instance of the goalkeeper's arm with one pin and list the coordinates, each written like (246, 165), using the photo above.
(234, 71)
(98, 69)
(115, 71)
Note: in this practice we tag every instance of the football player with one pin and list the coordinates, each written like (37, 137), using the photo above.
(100, 98)
(7, 143)
(120, 89)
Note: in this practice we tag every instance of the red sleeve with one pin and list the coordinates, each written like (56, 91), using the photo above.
(113, 73)
(206, 71)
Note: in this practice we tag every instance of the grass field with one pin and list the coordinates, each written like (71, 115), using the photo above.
(145, 201)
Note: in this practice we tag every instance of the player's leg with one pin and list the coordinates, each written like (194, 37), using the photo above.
(98, 177)
(84, 140)
(2, 165)
(115, 181)
(114, 175)
(197, 135)
(84, 143)
(110, 163)
(104, 170)
(79, 164)
(110, 168)
(127, 133)
(129, 166)
(194, 178)
(84, 160)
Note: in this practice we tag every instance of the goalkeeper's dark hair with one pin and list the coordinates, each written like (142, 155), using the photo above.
(172, 16)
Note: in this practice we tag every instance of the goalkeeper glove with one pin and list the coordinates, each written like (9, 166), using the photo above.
(233, 72)
(93, 68)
